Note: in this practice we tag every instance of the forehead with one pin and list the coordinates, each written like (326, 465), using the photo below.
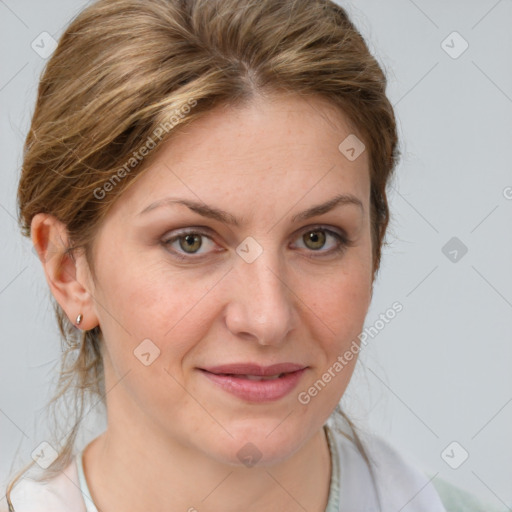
(268, 151)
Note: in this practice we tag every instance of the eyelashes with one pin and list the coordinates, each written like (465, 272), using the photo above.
(185, 244)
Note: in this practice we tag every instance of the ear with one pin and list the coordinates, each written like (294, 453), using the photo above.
(68, 277)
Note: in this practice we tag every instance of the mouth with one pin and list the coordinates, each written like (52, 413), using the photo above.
(252, 377)
(255, 383)
(251, 369)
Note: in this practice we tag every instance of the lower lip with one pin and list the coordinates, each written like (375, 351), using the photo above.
(257, 390)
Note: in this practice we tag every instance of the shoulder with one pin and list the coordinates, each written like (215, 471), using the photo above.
(456, 499)
(393, 482)
(59, 494)
(452, 498)
(398, 482)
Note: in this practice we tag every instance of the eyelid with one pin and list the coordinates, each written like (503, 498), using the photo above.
(203, 231)
(343, 241)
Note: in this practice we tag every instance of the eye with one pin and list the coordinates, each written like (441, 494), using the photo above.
(316, 237)
(188, 242)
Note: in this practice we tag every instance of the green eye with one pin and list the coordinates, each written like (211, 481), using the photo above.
(188, 244)
(316, 238)
(191, 242)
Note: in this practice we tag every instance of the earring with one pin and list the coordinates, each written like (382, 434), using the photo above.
(79, 319)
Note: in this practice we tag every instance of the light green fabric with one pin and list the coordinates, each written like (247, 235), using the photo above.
(456, 499)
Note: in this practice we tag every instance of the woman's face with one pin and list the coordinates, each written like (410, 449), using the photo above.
(247, 274)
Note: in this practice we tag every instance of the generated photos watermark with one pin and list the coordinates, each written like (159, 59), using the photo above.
(145, 149)
(304, 397)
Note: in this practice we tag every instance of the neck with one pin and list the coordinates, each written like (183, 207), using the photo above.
(124, 470)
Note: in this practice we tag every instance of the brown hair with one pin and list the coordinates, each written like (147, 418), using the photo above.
(124, 69)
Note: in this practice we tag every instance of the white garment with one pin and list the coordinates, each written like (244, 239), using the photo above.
(398, 484)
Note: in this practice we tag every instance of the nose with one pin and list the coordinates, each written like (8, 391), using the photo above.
(263, 305)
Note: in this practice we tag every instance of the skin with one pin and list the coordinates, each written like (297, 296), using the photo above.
(297, 302)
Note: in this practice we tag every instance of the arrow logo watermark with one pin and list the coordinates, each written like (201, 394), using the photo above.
(146, 352)
(352, 147)
(454, 249)
(44, 45)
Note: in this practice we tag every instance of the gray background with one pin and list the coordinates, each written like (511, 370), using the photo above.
(440, 371)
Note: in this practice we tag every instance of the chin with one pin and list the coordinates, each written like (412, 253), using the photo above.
(261, 445)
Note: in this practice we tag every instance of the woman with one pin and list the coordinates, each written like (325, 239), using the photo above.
(205, 184)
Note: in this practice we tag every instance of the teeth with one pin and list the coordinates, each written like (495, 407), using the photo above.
(259, 377)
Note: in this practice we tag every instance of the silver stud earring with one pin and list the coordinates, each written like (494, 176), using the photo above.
(79, 319)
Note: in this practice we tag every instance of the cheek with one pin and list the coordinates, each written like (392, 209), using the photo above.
(337, 317)
(165, 305)
(341, 302)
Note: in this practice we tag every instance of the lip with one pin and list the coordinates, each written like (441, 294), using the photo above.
(254, 369)
(233, 379)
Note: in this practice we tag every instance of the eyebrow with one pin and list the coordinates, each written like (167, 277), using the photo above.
(227, 218)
